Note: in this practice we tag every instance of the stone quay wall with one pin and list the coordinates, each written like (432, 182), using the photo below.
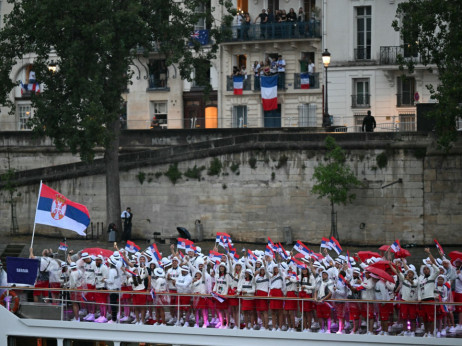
(410, 191)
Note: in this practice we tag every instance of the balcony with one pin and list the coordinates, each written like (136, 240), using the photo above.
(405, 100)
(314, 81)
(273, 31)
(363, 53)
(391, 55)
(360, 101)
(247, 83)
(158, 82)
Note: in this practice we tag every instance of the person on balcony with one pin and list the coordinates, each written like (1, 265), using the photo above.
(263, 20)
(246, 26)
(281, 63)
(368, 123)
(301, 22)
(292, 18)
(270, 24)
(311, 70)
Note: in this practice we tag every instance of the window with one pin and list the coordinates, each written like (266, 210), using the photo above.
(24, 115)
(158, 74)
(406, 91)
(361, 97)
(202, 23)
(273, 5)
(307, 115)
(159, 111)
(407, 122)
(305, 58)
(363, 33)
(239, 116)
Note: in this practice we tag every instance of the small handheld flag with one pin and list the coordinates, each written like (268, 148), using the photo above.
(298, 263)
(335, 245)
(252, 256)
(342, 279)
(395, 247)
(155, 252)
(215, 256)
(218, 297)
(302, 248)
(282, 251)
(439, 247)
(181, 244)
(62, 247)
(325, 243)
(131, 247)
(271, 245)
(269, 252)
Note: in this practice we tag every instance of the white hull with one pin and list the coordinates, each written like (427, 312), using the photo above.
(11, 325)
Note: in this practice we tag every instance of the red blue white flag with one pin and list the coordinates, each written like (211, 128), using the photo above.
(269, 252)
(439, 247)
(348, 258)
(131, 247)
(272, 246)
(252, 256)
(325, 243)
(181, 244)
(304, 81)
(298, 263)
(335, 245)
(238, 84)
(218, 297)
(292, 274)
(155, 252)
(395, 247)
(282, 251)
(269, 92)
(302, 248)
(54, 209)
(342, 279)
(62, 247)
(215, 256)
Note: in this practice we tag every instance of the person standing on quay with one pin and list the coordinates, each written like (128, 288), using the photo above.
(368, 123)
(127, 217)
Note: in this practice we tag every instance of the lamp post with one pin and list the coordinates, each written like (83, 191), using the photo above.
(52, 66)
(325, 117)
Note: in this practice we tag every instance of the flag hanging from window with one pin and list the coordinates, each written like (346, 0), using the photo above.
(202, 36)
(238, 84)
(269, 92)
(304, 81)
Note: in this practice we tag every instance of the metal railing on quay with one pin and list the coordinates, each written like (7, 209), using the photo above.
(371, 307)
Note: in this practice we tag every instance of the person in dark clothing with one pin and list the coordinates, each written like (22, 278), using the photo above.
(368, 123)
(127, 217)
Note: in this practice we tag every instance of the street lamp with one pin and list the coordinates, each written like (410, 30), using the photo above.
(52, 66)
(325, 117)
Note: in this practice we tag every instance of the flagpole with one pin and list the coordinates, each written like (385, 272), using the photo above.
(38, 199)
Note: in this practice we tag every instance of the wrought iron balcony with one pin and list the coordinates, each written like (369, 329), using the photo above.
(272, 31)
(314, 81)
(247, 83)
(405, 100)
(389, 55)
(360, 101)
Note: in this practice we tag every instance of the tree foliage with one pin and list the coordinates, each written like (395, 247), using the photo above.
(433, 28)
(334, 179)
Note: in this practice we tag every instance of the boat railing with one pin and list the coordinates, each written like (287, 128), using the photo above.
(64, 301)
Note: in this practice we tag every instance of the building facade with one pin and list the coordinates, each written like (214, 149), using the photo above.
(363, 74)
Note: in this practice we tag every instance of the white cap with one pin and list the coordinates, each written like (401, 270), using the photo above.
(84, 255)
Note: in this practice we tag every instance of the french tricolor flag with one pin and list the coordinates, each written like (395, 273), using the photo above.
(304, 81)
(269, 92)
(55, 210)
(302, 248)
(395, 247)
(131, 247)
(335, 245)
(238, 84)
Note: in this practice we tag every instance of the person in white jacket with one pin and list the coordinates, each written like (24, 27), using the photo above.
(221, 287)
(75, 283)
(101, 273)
(322, 293)
(183, 285)
(234, 277)
(307, 286)
(199, 287)
(160, 286)
(426, 293)
(290, 305)
(277, 289)
(262, 290)
(246, 288)
(340, 292)
(368, 293)
(113, 283)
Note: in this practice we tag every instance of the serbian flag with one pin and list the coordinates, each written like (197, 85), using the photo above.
(348, 255)
(218, 297)
(189, 246)
(302, 248)
(395, 246)
(325, 242)
(269, 92)
(131, 247)
(215, 256)
(252, 256)
(54, 209)
(335, 245)
(234, 254)
(298, 263)
(238, 84)
(282, 251)
(272, 246)
(269, 252)
(342, 279)
(360, 288)
(439, 247)
(155, 252)
(304, 81)
(292, 274)
(181, 244)
(62, 247)
(130, 272)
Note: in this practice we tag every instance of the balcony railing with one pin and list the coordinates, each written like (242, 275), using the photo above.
(405, 100)
(247, 83)
(363, 53)
(360, 101)
(389, 55)
(272, 31)
(314, 81)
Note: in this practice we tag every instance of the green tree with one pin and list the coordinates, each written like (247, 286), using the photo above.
(433, 29)
(94, 43)
(334, 180)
